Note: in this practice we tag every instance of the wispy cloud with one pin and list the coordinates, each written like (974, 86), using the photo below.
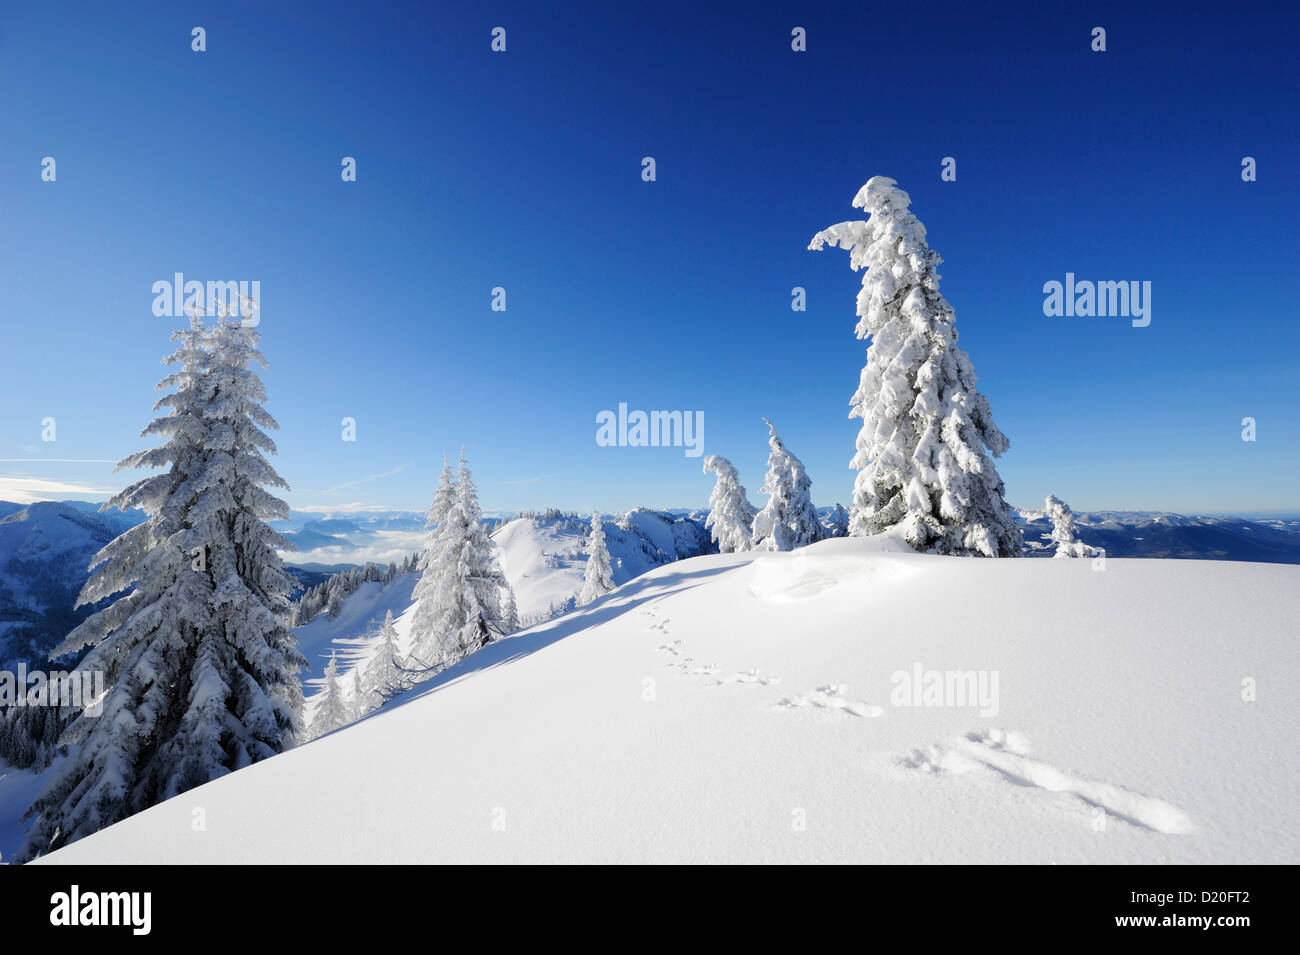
(29, 490)
(365, 480)
(354, 508)
(385, 548)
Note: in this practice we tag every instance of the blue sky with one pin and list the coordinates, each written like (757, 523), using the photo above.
(522, 170)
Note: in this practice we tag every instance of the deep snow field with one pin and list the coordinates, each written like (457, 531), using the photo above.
(738, 708)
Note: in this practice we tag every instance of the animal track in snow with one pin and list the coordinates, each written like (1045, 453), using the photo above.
(708, 669)
(750, 677)
(683, 664)
(831, 697)
(687, 666)
(1005, 753)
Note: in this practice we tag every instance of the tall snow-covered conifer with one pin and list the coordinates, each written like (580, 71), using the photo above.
(383, 673)
(509, 611)
(463, 611)
(598, 578)
(731, 516)
(199, 661)
(425, 639)
(357, 705)
(788, 520)
(921, 451)
(331, 708)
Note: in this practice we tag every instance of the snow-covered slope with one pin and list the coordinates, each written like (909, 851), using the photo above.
(738, 708)
(358, 624)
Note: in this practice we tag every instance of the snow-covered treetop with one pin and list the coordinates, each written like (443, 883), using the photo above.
(882, 194)
(731, 516)
(925, 425)
(721, 467)
(789, 519)
(891, 245)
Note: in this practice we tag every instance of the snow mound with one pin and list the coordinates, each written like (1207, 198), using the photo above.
(810, 571)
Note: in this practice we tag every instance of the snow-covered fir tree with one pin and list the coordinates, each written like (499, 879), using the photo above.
(200, 666)
(427, 618)
(598, 579)
(836, 523)
(509, 612)
(331, 707)
(462, 610)
(925, 428)
(1065, 532)
(788, 520)
(382, 675)
(731, 516)
(357, 704)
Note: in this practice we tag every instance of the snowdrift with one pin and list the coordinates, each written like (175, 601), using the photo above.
(748, 708)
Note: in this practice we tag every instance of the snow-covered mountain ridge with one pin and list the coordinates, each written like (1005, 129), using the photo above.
(44, 550)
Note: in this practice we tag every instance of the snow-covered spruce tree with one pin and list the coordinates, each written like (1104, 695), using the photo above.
(1065, 531)
(200, 666)
(357, 704)
(788, 520)
(382, 676)
(731, 516)
(598, 579)
(921, 451)
(423, 626)
(509, 612)
(463, 611)
(331, 708)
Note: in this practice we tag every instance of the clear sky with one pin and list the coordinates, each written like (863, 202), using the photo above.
(522, 170)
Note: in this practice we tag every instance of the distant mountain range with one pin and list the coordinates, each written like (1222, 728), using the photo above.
(1147, 534)
(44, 550)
